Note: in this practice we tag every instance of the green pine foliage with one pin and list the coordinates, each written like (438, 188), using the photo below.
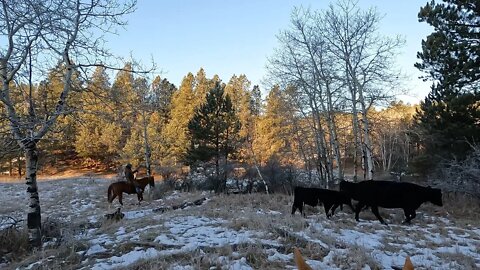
(213, 128)
(273, 130)
(182, 108)
(450, 53)
(61, 139)
(448, 121)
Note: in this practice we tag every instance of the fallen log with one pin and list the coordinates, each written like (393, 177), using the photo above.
(117, 215)
(180, 206)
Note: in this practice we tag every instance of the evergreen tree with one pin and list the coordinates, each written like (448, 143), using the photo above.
(61, 139)
(238, 90)
(202, 86)
(213, 128)
(450, 54)
(449, 117)
(182, 110)
(273, 130)
(97, 137)
(125, 98)
(161, 99)
(256, 100)
(162, 92)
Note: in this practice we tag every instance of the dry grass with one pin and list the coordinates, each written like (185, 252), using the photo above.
(355, 257)
(212, 258)
(13, 244)
(458, 260)
(64, 256)
(461, 207)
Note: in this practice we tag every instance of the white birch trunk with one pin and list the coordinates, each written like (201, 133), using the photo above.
(366, 137)
(34, 220)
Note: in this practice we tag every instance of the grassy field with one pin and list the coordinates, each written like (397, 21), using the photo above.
(251, 231)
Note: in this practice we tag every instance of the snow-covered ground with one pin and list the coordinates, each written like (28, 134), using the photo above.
(231, 232)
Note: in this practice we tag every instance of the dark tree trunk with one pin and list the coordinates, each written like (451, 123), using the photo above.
(19, 165)
(34, 220)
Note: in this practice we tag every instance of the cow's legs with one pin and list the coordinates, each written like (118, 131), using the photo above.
(300, 208)
(334, 207)
(358, 208)
(375, 212)
(409, 215)
(327, 207)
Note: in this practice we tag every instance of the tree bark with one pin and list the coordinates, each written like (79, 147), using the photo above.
(255, 164)
(366, 137)
(33, 214)
(356, 142)
(148, 152)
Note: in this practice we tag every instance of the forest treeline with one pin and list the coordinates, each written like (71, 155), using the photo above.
(130, 118)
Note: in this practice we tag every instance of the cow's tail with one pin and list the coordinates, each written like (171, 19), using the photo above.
(110, 193)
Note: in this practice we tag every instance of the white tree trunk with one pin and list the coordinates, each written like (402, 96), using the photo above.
(366, 137)
(33, 213)
(356, 142)
(255, 164)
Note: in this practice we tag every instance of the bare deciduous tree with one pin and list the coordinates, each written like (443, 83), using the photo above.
(338, 63)
(367, 62)
(38, 33)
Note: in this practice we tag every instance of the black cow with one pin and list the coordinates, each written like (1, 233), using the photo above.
(387, 194)
(331, 199)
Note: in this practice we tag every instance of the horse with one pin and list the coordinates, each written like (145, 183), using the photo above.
(118, 188)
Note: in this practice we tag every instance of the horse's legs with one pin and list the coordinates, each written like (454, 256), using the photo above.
(139, 197)
(113, 197)
(120, 198)
(375, 212)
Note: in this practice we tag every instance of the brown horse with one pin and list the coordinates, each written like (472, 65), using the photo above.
(118, 188)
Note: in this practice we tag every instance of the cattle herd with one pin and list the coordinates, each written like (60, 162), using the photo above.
(372, 194)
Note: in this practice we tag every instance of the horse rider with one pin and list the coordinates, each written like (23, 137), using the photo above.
(129, 174)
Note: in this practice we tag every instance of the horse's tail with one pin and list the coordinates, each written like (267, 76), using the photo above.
(110, 193)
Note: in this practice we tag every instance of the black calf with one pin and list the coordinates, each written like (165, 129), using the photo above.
(331, 199)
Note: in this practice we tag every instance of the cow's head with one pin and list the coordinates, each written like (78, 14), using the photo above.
(435, 196)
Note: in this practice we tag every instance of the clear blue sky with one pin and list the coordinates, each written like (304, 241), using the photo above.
(228, 37)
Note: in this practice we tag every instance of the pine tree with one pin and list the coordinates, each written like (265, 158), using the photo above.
(450, 54)
(272, 139)
(182, 110)
(449, 117)
(238, 90)
(124, 98)
(162, 92)
(213, 129)
(97, 138)
(61, 139)
(201, 88)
